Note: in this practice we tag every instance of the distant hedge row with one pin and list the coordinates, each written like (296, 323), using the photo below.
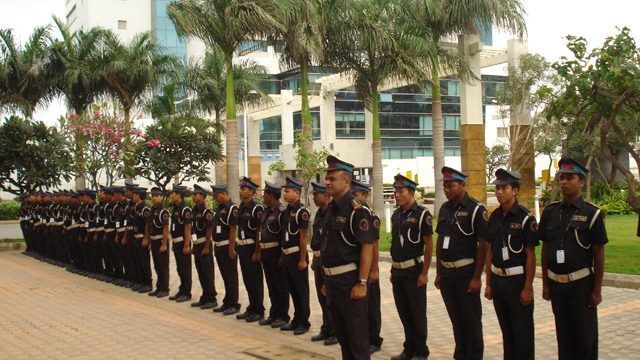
(9, 210)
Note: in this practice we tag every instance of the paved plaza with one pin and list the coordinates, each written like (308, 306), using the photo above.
(49, 313)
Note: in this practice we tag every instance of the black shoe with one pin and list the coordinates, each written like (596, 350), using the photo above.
(220, 309)
(254, 317)
(183, 298)
(243, 316)
(267, 321)
(154, 293)
(278, 324)
(300, 330)
(320, 337)
(373, 349)
(162, 294)
(174, 297)
(144, 289)
(116, 282)
(231, 310)
(289, 327)
(418, 357)
(332, 340)
(135, 287)
(197, 304)
(403, 356)
(209, 305)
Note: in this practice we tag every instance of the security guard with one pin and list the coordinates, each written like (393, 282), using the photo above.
(321, 200)
(295, 224)
(90, 228)
(250, 215)
(411, 249)
(573, 236)
(103, 260)
(224, 240)
(131, 253)
(346, 258)
(202, 229)
(118, 211)
(181, 238)
(158, 220)
(511, 266)
(271, 256)
(140, 212)
(361, 191)
(23, 218)
(461, 252)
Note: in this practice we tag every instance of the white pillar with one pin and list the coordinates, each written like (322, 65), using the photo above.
(327, 117)
(287, 117)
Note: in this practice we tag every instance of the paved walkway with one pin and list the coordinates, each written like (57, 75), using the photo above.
(49, 313)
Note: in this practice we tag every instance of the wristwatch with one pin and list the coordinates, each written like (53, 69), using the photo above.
(363, 282)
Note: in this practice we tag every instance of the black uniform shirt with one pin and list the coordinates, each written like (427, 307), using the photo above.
(573, 228)
(202, 217)
(249, 219)
(343, 233)
(318, 223)
(92, 212)
(101, 216)
(376, 225)
(141, 212)
(158, 217)
(296, 217)
(226, 215)
(270, 227)
(514, 231)
(463, 224)
(112, 211)
(121, 214)
(181, 215)
(407, 230)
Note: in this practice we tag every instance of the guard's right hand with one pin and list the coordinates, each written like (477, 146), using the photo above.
(436, 282)
(145, 244)
(487, 293)
(163, 248)
(545, 293)
(232, 253)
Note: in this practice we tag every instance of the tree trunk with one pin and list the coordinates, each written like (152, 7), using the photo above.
(438, 140)
(589, 177)
(233, 167)
(305, 114)
(219, 167)
(612, 174)
(376, 147)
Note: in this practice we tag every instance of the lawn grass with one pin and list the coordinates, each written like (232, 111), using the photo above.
(622, 252)
(11, 240)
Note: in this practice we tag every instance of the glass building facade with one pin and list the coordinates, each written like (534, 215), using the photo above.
(165, 31)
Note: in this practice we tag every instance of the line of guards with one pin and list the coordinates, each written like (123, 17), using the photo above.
(114, 239)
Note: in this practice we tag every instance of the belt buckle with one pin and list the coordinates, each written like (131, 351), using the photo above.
(395, 265)
(449, 265)
(563, 279)
(501, 272)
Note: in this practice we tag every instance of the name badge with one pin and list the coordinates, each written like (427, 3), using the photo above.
(218, 229)
(125, 223)
(106, 221)
(286, 236)
(173, 227)
(117, 224)
(194, 237)
(560, 257)
(52, 220)
(401, 240)
(86, 224)
(242, 234)
(579, 218)
(73, 221)
(445, 243)
(505, 253)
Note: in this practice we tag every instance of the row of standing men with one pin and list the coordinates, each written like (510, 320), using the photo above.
(115, 239)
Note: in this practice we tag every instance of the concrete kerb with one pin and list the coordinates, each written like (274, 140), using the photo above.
(9, 222)
(13, 246)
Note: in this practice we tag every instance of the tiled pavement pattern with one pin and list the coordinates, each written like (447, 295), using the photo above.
(49, 313)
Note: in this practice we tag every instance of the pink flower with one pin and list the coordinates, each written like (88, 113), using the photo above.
(96, 114)
(144, 135)
(72, 116)
(154, 143)
(117, 139)
(140, 116)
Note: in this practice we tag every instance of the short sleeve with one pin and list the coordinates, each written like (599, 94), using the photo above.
(481, 220)
(146, 214)
(233, 215)
(209, 219)
(426, 227)
(441, 228)
(598, 232)
(362, 229)
(541, 234)
(303, 218)
(258, 212)
(186, 215)
(164, 216)
(376, 226)
(530, 232)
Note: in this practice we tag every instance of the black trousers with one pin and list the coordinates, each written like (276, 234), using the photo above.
(88, 251)
(127, 258)
(411, 303)
(134, 258)
(274, 275)
(144, 261)
(375, 314)
(298, 284)
(229, 271)
(349, 317)
(114, 239)
(98, 247)
(183, 265)
(160, 264)
(206, 272)
(576, 322)
(465, 312)
(318, 275)
(516, 321)
(108, 255)
(253, 278)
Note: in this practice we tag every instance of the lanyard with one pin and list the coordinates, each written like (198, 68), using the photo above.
(567, 228)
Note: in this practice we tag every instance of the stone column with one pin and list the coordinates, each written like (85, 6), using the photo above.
(472, 140)
(255, 171)
(523, 147)
(287, 117)
(327, 118)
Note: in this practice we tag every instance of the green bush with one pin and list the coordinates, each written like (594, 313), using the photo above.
(430, 194)
(9, 210)
(615, 203)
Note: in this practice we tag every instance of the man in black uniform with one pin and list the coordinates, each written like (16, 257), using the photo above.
(181, 238)
(99, 242)
(250, 215)
(224, 240)
(361, 191)
(321, 199)
(158, 221)
(461, 253)
(130, 250)
(411, 249)
(22, 217)
(202, 228)
(511, 266)
(118, 209)
(90, 228)
(573, 237)
(271, 256)
(346, 258)
(295, 224)
(140, 212)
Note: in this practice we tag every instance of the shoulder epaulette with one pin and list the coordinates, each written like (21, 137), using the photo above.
(594, 205)
(475, 201)
(282, 207)
(526, 211)
(356, 204)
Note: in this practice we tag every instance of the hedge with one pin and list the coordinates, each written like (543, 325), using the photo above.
(9, 210)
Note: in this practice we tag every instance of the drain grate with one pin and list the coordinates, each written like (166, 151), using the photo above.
(284, 352)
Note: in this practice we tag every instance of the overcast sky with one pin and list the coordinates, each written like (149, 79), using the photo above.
(547, 22)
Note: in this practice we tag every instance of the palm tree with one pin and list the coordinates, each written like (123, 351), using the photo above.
(224, 24)
(25, 82)
(302, 46)
(370, 38)
(208, 80)
(438, 20)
